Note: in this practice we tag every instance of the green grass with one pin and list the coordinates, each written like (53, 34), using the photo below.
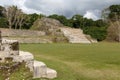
(99, 61)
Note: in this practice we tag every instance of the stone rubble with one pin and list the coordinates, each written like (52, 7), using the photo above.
(10, 49)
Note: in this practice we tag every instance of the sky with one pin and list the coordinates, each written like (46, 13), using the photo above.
(87, 8)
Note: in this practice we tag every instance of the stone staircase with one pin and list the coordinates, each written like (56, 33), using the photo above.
(75, 35)
(39, 69)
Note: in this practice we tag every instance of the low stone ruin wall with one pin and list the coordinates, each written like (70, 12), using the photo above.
(31, 36)
(30, 40)
(21, 33)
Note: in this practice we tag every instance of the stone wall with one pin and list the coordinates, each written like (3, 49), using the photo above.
(25, 36)
(31, 36)
(21, 33)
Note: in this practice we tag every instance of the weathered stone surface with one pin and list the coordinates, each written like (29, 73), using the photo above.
(28, 58)
(51, 73)
(48, 25)
(8, 48)
(45, 24)
(21, 33)
(9, 45)
(6, 54)
(40, 69)
(75, 35)
(33, 40)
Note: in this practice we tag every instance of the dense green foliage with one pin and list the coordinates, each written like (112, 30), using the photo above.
(3, 22)
(99, 61)
(111, 13)
(98, 33)
(1, 11)
(114, 12)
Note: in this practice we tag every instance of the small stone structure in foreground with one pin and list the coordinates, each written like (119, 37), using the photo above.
(9, 49)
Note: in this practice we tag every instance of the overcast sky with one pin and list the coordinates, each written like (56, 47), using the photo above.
(87, 8)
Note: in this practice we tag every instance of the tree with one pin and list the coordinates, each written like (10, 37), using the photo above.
(111, 13)
(2, 11)
(113, 18)
(114, 12)
(3, 23)
(16, 18)
(78, 21)
(3, 20)
(10, 13)
(114, 31)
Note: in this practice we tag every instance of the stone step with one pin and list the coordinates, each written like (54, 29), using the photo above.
(51, 73)
(75, 35)
(26, 57)
(40, 69)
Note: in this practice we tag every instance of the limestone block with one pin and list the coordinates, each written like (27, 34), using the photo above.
(4, 41)
(4, 54)
(51, 73)
(13, 53)
(40, 69)
(16, 58)
(26, 57)
(9, 45)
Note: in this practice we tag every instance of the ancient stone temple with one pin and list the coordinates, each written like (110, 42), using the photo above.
(10, 49)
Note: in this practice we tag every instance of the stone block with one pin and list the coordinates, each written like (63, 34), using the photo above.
(26, 57)
(40, 69)
(9, 45)
(51, 73)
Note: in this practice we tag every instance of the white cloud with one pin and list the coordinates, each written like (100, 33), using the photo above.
(92, 14)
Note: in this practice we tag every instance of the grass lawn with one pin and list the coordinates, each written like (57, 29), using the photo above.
(99, 61)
